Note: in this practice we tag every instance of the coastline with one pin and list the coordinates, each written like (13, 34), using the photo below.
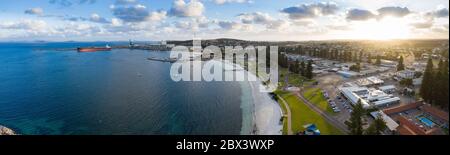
(6, 131)
(265, 113)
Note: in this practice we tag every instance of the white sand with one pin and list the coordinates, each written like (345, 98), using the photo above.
(267, 112)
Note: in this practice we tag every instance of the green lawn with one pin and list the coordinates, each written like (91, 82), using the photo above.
(302, 115)
(315, 96)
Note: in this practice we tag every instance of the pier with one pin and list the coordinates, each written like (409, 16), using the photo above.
(171, 60)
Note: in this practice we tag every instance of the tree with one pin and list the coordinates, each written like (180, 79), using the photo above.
(355, 123)
(283, 61)
(355, 57)
(400, 65)
(441, 85)
(378, 61)
(356, 67)
(297, 67)
(360, 56)
(445, 85)
(369, 58)
(309, 70)
(377, 126)
(303, 68)
(406, 82)
(427, 83)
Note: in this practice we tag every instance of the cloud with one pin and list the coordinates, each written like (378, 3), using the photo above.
(311, 10)
(359, 15)
(441, 29)
(157, 15)
(97, 19)
(229, 25)
(34, 11)
(393, 11)
(263, 19)
(220, 2)
(193, 8)
(67, 3)
(423, 24)
(135, 13)
(438, 13)
(193, 24)
(255, 17)
(24, 25)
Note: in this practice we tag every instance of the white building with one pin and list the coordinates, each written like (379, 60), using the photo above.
(390, 123)
(353, 95)
(369, 97)
(375, 80)
(369, 81)
(388, 89)
(404, 74)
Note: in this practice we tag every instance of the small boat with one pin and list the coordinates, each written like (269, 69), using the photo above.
(94, 49)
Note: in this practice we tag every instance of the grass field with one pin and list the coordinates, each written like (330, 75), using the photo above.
(315, 96)
(302, 115)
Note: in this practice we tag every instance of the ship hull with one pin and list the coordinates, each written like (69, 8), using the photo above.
(92, 49)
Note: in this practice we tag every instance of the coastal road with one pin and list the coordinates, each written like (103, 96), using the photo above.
(327, 117)
(288, 115)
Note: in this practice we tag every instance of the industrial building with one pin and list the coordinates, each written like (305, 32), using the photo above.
(370, 97)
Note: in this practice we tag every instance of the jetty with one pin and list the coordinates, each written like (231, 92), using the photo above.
(171, 60)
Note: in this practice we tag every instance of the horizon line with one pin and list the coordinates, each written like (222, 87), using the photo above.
(313, 40)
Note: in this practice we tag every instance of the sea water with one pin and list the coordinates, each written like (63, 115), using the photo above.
(51, 89)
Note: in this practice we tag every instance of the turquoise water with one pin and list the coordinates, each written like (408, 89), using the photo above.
(48, 91)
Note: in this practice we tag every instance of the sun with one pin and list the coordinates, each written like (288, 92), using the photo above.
(387, 28)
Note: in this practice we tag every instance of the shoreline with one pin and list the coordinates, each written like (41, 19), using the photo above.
(265, 112)
(6, 131)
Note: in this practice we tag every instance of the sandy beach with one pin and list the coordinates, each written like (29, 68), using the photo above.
(266, 112)
(6, 131)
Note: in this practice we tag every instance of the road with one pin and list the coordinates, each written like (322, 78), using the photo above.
(288, 115)
(327, 117)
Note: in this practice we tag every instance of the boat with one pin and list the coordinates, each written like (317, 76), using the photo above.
(94, 49)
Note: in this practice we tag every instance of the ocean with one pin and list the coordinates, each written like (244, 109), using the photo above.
(51, 89)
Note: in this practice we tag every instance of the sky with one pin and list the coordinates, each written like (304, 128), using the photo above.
(271, 20)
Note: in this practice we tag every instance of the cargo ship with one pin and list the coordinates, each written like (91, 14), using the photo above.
(94, 49)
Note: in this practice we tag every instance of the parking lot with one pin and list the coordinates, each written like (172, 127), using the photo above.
(329, 85)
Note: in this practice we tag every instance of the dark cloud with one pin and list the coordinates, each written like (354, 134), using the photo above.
(358, 14)
(310, 10)
(393, 11)
(439, 13)
(136, 13)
